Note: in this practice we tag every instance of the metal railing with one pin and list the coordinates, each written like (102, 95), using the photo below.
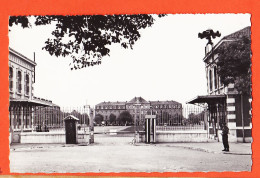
(188, 117)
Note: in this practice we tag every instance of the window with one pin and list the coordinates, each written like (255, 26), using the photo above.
(220, 82)
(26, 84)
(11, 78)
(210, 80)
(19, 82)
(215, 78)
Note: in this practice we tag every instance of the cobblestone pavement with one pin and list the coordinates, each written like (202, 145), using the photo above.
(117, 154)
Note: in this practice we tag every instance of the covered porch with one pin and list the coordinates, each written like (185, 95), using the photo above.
(21, 115)
(216, 105)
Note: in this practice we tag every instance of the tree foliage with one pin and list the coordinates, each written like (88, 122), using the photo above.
(125, 117)
(86, 39)
(234, 64)
(112, 118)
(195, 118)
(99, 118)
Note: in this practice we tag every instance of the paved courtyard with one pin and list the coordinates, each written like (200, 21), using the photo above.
(117, 154)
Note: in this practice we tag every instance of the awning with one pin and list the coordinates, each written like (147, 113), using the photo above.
(209, 99)
(28, 102)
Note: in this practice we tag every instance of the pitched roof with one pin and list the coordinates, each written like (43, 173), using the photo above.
(238, 34)
(229, 38)
(71, 117)
(111, 103)
(138, 100)
(164, 102)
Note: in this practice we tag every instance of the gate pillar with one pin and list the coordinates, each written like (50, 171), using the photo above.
(71, 129)
(150, 128)
(91, 126)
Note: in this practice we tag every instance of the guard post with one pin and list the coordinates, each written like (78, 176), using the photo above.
(71, 132)
(150, 128)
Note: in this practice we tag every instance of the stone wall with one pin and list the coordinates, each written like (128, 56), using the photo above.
(49, 137)
(178, 136)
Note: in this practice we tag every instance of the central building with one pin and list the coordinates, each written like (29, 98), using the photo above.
(166, 111)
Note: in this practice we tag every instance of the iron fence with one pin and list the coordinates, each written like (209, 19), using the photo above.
(50, 119)
(188, 117)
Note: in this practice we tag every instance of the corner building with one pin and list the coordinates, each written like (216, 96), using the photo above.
(22, 103)
(225, 104)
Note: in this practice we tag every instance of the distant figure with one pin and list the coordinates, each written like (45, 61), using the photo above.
(225, 131)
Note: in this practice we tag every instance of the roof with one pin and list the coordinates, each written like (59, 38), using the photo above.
(209, 99)
(138, 100)
(12, 51)
(231, 37)
(33, 102)
(164, 102)
(71, 117)
(238, 34)
(111, 103)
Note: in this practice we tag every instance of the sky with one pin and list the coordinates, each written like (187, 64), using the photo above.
(166, 63)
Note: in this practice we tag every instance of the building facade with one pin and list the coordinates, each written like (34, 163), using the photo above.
(139, 107)
(21, 76)
(224, 102)
(22, 101)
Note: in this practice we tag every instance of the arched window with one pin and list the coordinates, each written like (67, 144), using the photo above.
(19, 81)
(27, 84)
(210, 80)
(215, 78)
(11, 78)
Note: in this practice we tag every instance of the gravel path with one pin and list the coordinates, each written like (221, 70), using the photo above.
(117, 154)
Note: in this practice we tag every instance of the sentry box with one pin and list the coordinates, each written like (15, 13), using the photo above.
(71, 129)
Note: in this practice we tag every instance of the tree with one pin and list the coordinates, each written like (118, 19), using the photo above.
(196, 118)
(112, 118)
(177, 119)
(99, 118)
(86, 38)
(235, 67)
(234, 64)
(125, 117)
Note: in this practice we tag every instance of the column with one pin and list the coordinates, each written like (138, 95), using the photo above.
(21, 117)
(231, 116)
(30, 117)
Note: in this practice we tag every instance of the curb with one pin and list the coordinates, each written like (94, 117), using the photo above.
(198, 149)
